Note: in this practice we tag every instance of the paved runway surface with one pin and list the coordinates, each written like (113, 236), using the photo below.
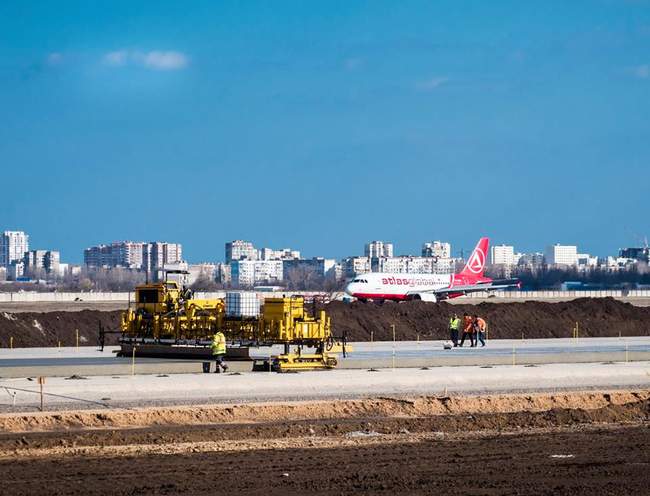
(161, 389)
(32, 362)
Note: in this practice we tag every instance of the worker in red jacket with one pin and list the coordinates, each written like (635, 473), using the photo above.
(468, 330)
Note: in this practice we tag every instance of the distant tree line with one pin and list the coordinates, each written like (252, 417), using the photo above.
(88, 279)
(552, 278)
(306, 279)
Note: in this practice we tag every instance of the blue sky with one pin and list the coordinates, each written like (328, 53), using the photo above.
(322, 125)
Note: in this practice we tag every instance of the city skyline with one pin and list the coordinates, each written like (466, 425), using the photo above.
(298, 253)
(352, 121)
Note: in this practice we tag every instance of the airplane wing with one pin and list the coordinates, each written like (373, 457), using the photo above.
(472, 288)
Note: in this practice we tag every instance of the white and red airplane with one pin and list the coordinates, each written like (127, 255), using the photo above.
(429, 287)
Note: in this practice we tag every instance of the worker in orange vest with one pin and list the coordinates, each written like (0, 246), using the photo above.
(479, 327)
(468, 330)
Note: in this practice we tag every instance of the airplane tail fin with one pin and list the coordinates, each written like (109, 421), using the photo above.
(476, 262)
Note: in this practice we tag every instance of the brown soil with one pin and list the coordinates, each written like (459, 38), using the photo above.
(359, 409)
(34, 329)
(597, 317)
(578, 443)
(606, 461)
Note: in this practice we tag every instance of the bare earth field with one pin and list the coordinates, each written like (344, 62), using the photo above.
(597, 317)
(568, 443)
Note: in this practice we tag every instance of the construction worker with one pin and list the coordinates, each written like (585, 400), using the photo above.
(454, 328)
(219, 351)
(479, 327)
(102, 336)
(468, 330)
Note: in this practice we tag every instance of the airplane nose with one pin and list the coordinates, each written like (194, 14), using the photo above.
(349, 289)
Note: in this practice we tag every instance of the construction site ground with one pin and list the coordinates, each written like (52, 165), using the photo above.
(110, 306)
(473, 421)
(126, 391)
(551, 443)
(596, 317)
(90, 361)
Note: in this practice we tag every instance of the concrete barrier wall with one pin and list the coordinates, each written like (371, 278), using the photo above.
(27, 297)
(637, 293)
(267, 294)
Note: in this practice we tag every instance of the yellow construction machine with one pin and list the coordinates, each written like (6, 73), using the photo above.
(284, 321)
(165, 311)
(167, 317)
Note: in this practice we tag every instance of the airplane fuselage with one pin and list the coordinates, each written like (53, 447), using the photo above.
(384, 286)
(428, 287)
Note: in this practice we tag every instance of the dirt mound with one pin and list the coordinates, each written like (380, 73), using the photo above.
(597, 317)
(33, 329)
(577, 443)
(637, 402)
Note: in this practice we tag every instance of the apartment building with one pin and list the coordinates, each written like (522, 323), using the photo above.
(378, 249)
(13, 245)
(563, 255)
(438, 249)
(503, 255)
(36, 262)
(248, 273)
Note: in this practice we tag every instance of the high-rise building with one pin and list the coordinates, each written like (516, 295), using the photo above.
(156, 255)
(353, 266)
(98, 256)
(283, 254)
(46, 261)
(15, 270)
(138, 255)
(503, 255)
(13, 245)
(127, 254)
(223, 273)
(436, 249)
(247, 273)
(414, 265)
(641, 254)
(240, 250)
(557, 254)
(378, 249)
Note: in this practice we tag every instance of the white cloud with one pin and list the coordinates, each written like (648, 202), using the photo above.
(116, 59)
(431, 84)
(642, 71)
(156, 60)
(54, 58)
(165, 61)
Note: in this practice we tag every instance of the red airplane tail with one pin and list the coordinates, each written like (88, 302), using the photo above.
(476, 262)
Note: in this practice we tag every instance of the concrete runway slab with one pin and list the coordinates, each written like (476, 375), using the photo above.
(191, 389)
(88, 361)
